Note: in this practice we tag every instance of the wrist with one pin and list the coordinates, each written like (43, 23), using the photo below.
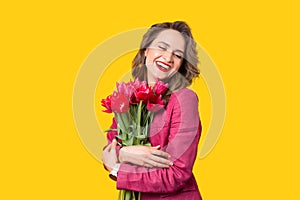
(114, 172)
(121, 156)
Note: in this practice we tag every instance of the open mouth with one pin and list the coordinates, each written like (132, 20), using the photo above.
(163, 66)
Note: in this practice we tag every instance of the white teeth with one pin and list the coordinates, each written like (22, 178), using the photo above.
(163, 65)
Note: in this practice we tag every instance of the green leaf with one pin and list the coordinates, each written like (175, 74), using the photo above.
(151, 118)
(120, 122)
(110, 129)
(121, 137)
(125, 119)
(141, 136)
(130, 133)
(146, 129)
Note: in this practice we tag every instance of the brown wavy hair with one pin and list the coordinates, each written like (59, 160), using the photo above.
(188, 69)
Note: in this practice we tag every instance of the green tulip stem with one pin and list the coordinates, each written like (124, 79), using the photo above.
(139, 114)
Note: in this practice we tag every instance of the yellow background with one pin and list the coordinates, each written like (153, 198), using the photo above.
(255, 45)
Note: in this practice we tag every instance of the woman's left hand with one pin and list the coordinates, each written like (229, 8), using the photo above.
(109, 156)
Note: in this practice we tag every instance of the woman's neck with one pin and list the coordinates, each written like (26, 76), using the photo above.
(151, 80)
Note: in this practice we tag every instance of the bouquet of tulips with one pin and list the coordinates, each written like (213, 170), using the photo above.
(134, 104)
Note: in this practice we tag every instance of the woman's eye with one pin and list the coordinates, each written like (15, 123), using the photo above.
(178, 56)
(162, 48)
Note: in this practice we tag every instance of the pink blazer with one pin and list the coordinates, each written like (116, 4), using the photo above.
(177, 130)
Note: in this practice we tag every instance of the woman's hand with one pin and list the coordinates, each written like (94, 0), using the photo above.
(109, 156)
(145, 156)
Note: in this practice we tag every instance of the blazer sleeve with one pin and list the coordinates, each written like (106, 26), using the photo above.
(184, 134)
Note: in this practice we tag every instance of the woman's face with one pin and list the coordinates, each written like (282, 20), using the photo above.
(165, 55)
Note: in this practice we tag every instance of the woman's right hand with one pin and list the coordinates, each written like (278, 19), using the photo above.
(145, 156)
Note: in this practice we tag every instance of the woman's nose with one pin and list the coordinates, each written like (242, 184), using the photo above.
(168, 56)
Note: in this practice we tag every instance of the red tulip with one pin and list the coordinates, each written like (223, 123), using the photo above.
(155, 103)
(160, 87)
(137, 83)
(106, 103)
(142, 91)
(132, 93)
(126, 88)
(119, 102)
(154, 107)
(142, 95)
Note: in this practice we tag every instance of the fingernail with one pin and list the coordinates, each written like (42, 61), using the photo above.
(114, 140)
(171, 163)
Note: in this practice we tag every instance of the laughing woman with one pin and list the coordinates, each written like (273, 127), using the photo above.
(167, 53)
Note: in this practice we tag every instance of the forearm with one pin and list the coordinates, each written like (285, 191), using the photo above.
(159, 180)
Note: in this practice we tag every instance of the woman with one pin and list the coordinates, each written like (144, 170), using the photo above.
(168, 53)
